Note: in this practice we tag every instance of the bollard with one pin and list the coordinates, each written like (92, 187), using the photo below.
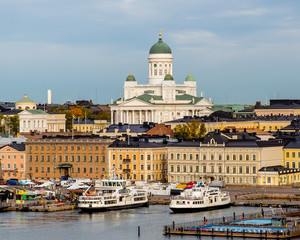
(227, 232)
(173, 225)
(233, 215)
(139, 231)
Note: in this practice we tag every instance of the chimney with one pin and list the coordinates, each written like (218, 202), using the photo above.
(49, 97)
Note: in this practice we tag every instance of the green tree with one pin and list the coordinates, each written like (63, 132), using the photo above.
(190, 130)
(69, 121)
(104, 115)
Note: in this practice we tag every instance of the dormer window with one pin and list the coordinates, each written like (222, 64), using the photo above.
(212, 141)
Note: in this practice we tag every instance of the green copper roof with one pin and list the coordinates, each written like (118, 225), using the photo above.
(38, 111)
(160, 47)
(130, 78)
(168, 77)
(25, 99)
(190, 78)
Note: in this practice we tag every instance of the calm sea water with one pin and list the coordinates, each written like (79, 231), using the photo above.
(112, 225)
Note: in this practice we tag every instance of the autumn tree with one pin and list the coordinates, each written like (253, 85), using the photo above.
(77, 113)
(190, 130)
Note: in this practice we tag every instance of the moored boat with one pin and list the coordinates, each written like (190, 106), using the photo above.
(112, 195)
(200, 198)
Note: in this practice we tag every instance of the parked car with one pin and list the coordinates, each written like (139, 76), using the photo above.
(12, 182)
(219, 184)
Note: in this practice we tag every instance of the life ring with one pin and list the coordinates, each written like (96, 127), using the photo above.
(188, 202)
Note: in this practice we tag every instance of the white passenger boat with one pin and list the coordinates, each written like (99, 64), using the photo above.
(200, 198)
(112, 195)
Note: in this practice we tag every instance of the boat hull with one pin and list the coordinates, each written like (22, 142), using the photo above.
(112, 208)
(198, 209)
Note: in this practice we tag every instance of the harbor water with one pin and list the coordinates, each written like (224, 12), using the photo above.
(113, 225)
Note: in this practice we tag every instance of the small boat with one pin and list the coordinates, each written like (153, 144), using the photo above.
(112, 195)
(200, 198)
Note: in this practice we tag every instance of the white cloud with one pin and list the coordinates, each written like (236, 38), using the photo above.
(248, 12)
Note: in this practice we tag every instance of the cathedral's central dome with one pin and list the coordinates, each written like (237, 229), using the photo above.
(160, 47)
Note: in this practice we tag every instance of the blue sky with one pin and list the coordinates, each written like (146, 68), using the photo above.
(239, 51)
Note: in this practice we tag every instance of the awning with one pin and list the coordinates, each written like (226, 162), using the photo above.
(64, 166)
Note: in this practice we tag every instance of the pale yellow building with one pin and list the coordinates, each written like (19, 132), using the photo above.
(137, 160)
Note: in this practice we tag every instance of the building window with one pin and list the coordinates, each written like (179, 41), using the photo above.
(36, 158)
(212, 169)
(293, 165)
(184, 168)
(36, 169)
(197, 169)
(254, 157)
(72, 158)
(240, 169)
(204, 156)
(197, 156)
(91, 158)
(287, 154)
(227, 157)
(220, 169)
(91, 170)
(247, 157)
(178, 156)
(204, 169)
(184, 156)
(178, 168)
(66, 158)
(78, 170)
(234, 169)
(78, 158)
(84, 170)
(142, 157)
(172, 156)
(191, 168)
(240, 157)
(233, 157)
(42, 158)
(211, 157)
(134, 157)
(142, 167)
(96, 158)
(191, 156)
(247, 170)
(293, 154)
(134, 167)
(148, 157)
(227, 169)
(254, 169)
(59, 158)
(84, 158)
(48, 158)
(113, 157)
(120, 157)
(172, 168)
(288, 164)
(220, 156)
(96, 170)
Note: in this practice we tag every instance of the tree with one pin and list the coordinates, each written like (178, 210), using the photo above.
(190, 130)
(104, 115)
(77, 113)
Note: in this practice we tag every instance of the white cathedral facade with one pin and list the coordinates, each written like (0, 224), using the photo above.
(161, 99)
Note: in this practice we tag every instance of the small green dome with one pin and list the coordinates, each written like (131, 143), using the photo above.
(130, 78)
(25, 100)
(168, 77)
(190, 78)
(160, 47)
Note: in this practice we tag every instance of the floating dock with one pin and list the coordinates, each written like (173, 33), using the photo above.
(271, 224)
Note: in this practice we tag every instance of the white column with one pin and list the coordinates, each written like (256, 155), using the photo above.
(127, 119)
(140, 114)
(117, 117)
(112, 117)
(132, 122)
(146, 115)
(121, 116)
(152, 120)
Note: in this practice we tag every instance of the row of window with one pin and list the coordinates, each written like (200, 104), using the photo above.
(293, 155)
(160, 156)
(141, 177)
(8, 165)
(213, 156)
(134, 167)
(8, 156)
(66, 148)
(212, 169)
(66, 158)
(53, 170)
(293, 165)
(228, 180)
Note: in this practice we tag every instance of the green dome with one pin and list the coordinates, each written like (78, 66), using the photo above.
(25, 99)
(190, 78)
(160, 47)
(130, 78)
(168, 77)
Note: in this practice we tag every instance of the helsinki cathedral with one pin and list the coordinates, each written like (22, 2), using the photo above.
(161, 99)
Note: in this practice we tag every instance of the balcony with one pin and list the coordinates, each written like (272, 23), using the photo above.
(126, 160)
(126, 170)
